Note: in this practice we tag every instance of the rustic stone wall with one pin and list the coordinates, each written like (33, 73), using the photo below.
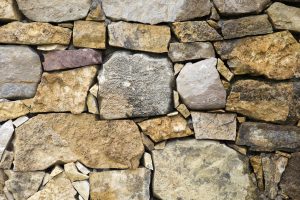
(157, 99)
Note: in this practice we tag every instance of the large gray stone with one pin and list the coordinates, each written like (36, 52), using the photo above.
(201, 170)
(135, 85)
(20, 72)
(156, 11)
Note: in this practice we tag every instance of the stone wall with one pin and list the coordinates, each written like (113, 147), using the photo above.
(157, 99)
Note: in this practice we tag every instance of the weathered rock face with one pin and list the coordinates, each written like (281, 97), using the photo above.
(46, 139)
(195, 31)
(275, 56)
(284, 17)
(139, 36)
(34, 33)
(68, 59)
(20, 72)
(224, 71)
(7, 160)
(120, 185)
(9, 11)
(186, 168)
(267, 101)
(190, 51)
(252, 25)
(12, 110)
(54, 11)
(127, 89)
(6, 132)
(96, 12)
(164, 128)
(256, 163)
(237, 7)
(154, 12)
(268, 137)
(200, 87)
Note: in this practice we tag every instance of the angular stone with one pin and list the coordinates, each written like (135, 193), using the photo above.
(7, 160)
(92, 104)
(274, 56)
(94, 90)
(148, 143)
(54, 11)
(83, 188)
(177, 68)
(120, 185)
(89, 34)
(190, 51)
(214, 126)
(34, 33)
(251, 25)
(195, 31)
(269, 137)
(284, 17)
(55, 171)
(82, 168)
(200, 87)
(238, 7)
(188, 168)
(164, 128)
(12, 110)
(154, 12)
(183, 110)
(242, 150)
(139, 36)
(127, 93)
(103, 144)
(267, 101)
(176, 99)
(256, 163)
(63, 91)
(72, 173)
(9, 11)
(21, 120)
(6, 132)
(224, 71)
(96, 12)
(71, 59)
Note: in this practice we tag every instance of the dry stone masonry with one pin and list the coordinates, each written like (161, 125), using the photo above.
(150, 100)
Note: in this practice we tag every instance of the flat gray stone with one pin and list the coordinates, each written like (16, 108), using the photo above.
(135, 85)
(20, 72)
(6, 132)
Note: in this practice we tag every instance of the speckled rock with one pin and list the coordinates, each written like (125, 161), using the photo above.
(7, 159)
(12, 110)
(96, 12)
(9, 11)
(224, 71)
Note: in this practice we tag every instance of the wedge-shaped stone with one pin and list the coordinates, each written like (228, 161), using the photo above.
(34, 33)
(12, 110)
(131, 184)
(9, 11)
(6, 132)
(156, 11)
(139, 36)
(275, 56)
(83, 188)
(269, 137)
(46, 139)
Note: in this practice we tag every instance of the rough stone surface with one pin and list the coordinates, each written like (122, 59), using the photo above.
(9, 11)
(96, 12)
(184, 111)
(92, 104)
(120, 185)
(54, 11)
(164, 128)
(200, 87)
(156, 11)
(7, 160)
(127, 93)
(268, 137)
(139, 36)
(83, 188)
(214, 126)
(256, 163)
(12, 110)
(252, 25)
(73, 174)
(6, 132)
(275, 56)
(194, 169)
(71, 59)
(20, 72)
(34, 33)
(284, 17)
(224, 71)
(46, 139)
(195, 31)
(190, 51)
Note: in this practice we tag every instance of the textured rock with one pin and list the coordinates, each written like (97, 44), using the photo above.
(139, 36)
(214, 126)
(7, 160)
(164, 128)
(6, 132)
(268, 137)
(120, 185)
(193, 169)
(82, 168)
(195, 31)
(92, 104)
(190, 51)
(46, 139)
(83, 188)
(63, 91)
(9, 11)
(34, 33)
(89, 34)
(267, 101)
(238, 7)
(20, 72)
(224, 71)
(157, 11)
(127, 93)
(71, 59)
(12, 110)
(252, 25)
(183, 110)
(284, 17)
(200, 87)
(73, 174)
(54, 11)
(96, 12)
(275, 56)
(256, 163)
